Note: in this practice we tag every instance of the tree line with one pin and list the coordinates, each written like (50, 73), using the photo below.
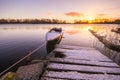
(56, 21)
(97, 21)
(31, 21)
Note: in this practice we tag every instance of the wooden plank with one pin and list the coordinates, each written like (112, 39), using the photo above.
(83, 62)
(51, 78)
(82, 68)
(80, 63)
(93, 55)
(29, 72)
(72, 75)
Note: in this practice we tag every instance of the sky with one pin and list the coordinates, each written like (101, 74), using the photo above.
(60, 9)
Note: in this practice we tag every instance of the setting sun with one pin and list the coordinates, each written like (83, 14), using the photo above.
(90, 18)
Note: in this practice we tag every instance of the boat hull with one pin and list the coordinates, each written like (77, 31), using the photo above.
(50, 45)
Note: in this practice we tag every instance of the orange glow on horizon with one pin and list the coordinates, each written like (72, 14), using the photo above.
(90, 19)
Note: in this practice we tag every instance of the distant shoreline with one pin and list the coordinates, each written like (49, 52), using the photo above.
(56, 21)
(59, 23)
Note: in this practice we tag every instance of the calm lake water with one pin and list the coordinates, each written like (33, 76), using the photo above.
(17, 39)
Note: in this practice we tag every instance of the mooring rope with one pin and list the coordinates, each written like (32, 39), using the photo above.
(39, 47)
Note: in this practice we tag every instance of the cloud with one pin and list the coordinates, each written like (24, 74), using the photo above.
(73, 14)
(49, 13)
(101, 15)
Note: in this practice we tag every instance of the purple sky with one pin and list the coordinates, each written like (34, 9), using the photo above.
(60, 9)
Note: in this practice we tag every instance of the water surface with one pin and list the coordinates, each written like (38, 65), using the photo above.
(17, 39)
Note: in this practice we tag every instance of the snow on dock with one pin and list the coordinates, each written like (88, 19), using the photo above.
(79, 63)
(77, 76)
(70, 63)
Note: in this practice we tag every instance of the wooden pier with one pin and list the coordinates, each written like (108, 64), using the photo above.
(70, 63)
(79, 63)
(107, 43)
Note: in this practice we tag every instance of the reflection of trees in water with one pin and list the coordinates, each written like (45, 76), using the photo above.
(23, 27)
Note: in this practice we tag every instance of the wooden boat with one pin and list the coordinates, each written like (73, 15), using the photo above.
(53, 37)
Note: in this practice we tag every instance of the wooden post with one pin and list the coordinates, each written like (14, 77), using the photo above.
(28, 58)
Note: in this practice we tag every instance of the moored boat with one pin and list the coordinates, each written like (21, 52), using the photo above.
(53, 37)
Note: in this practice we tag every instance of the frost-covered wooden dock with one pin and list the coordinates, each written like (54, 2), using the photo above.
(69, 63)
(79, 63)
